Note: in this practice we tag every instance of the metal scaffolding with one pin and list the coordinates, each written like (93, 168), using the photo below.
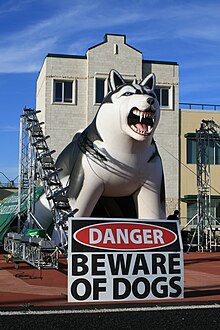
(206, 137)
(36, 165)
(27, 168)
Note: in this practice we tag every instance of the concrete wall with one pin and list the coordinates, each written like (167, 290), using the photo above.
(62, 120)
(102, 58)
(167, 134)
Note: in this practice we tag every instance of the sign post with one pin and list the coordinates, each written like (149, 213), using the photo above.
(122, 260)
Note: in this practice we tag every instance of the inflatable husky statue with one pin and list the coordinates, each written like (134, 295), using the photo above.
(115, 157)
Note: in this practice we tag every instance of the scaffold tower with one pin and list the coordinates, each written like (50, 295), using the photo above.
(27, 168)
(41, 166)
(37, 168)
(206, 136)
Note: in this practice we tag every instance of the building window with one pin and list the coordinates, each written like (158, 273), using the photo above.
(191, 151)
(214, 209)
(163, 96)
(217, 152)
(101, 89)
(213, 152)
(192, 211)
(64, 91)
(115, 49)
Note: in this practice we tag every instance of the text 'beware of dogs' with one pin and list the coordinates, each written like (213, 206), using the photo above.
(124, 260)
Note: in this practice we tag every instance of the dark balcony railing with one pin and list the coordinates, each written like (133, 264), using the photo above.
(199, 106)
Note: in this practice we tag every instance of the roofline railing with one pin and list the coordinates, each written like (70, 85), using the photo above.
(199, 106)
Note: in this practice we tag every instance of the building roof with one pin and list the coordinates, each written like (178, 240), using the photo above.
(105, 41)
(117, 35)
(160, 62)
(66, 56)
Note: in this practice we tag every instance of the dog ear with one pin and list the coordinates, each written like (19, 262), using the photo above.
(115, 80)
(149, 81)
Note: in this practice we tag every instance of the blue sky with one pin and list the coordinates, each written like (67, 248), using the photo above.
(187, 32)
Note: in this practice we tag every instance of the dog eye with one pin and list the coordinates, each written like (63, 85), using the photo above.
(128, 93)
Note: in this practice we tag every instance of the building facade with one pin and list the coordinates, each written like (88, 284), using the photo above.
(190, 122)
(70, 90)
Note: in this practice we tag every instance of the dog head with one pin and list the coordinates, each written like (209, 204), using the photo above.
(136, 105)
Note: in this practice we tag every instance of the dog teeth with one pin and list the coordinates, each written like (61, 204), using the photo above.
(136, 112)
(141, 132)
(143, 114)
(143, 128)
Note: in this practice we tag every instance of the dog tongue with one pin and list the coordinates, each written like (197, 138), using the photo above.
(141, 127)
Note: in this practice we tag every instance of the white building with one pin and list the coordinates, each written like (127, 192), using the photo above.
(70, 89)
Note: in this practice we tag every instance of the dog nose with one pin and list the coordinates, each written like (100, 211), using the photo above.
(150, 101)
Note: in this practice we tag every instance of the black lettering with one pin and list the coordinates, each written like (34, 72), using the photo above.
(163, 293)
(117, 294)
(173, 263)
(158, 261)
(87, 290)
(175, 286)
(79, 266)
(96, 263)
(120, 263)
(97, 288)
(146, 290)
(140, 264)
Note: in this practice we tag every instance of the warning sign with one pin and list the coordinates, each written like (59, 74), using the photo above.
(124, 260)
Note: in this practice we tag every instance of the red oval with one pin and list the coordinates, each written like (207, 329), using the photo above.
(125, 236)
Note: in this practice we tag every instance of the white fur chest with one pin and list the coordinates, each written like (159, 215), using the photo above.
(121, 173)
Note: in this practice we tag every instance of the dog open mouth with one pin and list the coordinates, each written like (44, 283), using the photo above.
(141, 122)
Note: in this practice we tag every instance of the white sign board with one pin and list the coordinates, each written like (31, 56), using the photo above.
(113, 260)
